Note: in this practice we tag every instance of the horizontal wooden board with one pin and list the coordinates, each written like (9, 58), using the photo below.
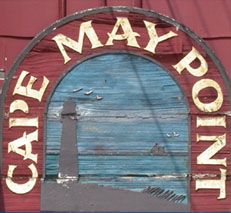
(142, 102)
(116, 134)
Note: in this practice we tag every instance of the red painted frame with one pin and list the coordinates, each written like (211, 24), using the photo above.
(42, 58)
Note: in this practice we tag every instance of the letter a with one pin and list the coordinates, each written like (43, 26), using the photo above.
(25, 140)
(128, 34)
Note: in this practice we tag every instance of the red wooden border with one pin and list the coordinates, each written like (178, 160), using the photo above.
(43, 58)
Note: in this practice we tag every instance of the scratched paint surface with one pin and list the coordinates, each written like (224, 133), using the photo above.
(132, 128)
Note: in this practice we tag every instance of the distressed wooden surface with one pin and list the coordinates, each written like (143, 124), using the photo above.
(141, 106)
(45, 60)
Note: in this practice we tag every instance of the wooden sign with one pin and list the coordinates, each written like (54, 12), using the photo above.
(116, 109)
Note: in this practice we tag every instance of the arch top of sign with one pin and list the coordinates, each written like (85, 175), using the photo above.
(192, 91)
(51, 30)
(141, 11)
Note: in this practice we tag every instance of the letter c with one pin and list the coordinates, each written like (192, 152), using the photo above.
(21, 188)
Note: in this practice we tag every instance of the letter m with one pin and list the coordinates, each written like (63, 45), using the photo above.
(85, 28)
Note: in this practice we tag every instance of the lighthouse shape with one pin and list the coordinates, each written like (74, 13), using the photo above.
(68, 168)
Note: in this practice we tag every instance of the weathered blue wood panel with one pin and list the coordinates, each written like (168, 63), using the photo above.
(132, 128)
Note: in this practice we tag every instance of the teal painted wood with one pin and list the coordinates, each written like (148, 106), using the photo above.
(127, 105)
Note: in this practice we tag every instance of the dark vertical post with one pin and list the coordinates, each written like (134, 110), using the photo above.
(68, 167)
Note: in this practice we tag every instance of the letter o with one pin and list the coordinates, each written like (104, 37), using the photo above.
(207, 107)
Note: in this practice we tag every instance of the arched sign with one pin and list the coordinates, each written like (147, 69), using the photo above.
(116, 109)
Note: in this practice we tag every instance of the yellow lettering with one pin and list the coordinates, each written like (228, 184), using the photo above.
(27, 90)
(211, 121)
(19, 105)
(154, 38)
(128, 34)
(26, 141)
(188, 59)
(214, 184)
(23, 122)
(24, 187)
(85, 28)
(207, 107)
(205, 157)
